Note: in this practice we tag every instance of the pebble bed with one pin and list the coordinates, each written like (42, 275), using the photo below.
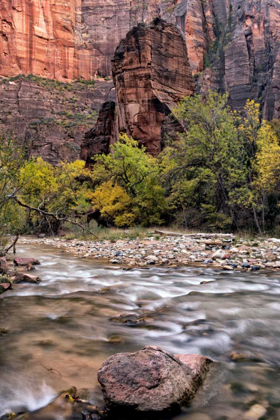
(227, 253)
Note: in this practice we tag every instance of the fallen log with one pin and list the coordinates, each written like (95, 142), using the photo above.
(197, 235)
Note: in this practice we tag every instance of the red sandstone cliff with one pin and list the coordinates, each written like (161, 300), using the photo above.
(78, 38)
(151, 75)
(233, 45)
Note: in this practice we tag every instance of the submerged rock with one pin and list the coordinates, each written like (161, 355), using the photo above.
(150, 380)
(256, 412)
(26, 261)
(3, 265)
(26, 278)
(5, 286)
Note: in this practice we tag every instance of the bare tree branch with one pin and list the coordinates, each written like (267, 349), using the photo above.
(47, 214)
(13, 245)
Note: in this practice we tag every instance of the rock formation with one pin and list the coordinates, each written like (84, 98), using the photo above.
(151, 75)
(150, 380)
(233, 45)
(99, 139)
(48, 117)
(70, 40)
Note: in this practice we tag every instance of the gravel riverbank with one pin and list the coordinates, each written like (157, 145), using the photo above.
(217, 251)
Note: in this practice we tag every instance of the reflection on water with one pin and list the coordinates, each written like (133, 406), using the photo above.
(62, 330)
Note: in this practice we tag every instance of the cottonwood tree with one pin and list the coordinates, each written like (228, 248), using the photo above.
(129, 189)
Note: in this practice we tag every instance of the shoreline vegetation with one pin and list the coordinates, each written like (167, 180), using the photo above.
(221, 175)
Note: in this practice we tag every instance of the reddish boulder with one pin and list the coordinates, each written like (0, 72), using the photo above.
(5, 286)
(150, 380)
(198, 365)
(26, 278)
(26, 261)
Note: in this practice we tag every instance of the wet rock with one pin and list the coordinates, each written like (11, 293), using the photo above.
(228, 267)
(3, 265)
(150, 380)
(26, 278)
(3, 331)
(30, 267)
(127, 318)
(115, 339)
(246, 265)
(255, 268)
(197, 364)
(256, 412)
(5, 286)
(26, 261)
(246, 357)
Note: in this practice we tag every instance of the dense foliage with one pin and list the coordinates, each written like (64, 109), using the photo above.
(129, 189)
(222, 174)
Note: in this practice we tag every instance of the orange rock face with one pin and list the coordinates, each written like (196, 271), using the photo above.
(73, 39)
(38, 37)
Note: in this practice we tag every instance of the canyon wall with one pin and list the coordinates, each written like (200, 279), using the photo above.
(48, 117)
(233, 46)
(236, 41)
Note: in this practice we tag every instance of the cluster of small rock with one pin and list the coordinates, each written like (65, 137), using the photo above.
(217, 251)
(14, 271)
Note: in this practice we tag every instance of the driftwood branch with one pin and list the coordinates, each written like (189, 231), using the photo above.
(13, 245)
(197, 235)
(54, 216)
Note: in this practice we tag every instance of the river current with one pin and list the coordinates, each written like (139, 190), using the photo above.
(61, 331)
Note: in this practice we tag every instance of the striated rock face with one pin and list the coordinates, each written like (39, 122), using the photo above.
(150, 380)
(98, 140)
(48, 117)
(77, 39)
(39, 37)
(151, 75)
(251, 56)
(233, 46)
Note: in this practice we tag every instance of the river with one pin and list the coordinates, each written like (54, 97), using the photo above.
(60, 331)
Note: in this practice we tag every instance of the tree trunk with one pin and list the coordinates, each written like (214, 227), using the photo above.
(256, 220)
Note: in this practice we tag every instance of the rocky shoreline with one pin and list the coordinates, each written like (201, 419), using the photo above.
(171, 250)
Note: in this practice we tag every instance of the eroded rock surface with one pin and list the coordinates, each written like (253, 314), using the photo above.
(70, 40)
(50, 118)
(98, 140)
(150, 380)
(151, 74)
(232, 46)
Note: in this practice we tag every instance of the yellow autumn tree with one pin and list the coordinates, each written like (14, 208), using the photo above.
(129, 189)
(114, 204)
(267, 161)
(61, 191)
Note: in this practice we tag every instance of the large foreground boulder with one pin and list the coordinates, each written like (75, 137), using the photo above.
(150, 380)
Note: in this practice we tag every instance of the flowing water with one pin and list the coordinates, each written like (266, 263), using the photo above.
(60, 331)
